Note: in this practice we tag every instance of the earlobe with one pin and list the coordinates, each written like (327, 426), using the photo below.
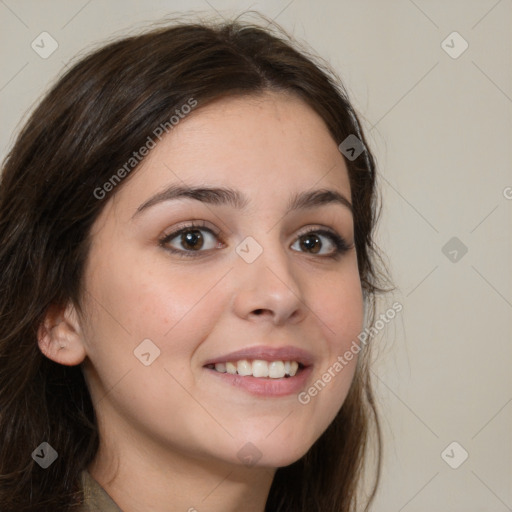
(60, 336)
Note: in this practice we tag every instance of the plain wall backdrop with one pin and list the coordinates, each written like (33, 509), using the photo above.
(432, 80)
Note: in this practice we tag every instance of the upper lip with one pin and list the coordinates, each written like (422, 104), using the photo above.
(266, 353)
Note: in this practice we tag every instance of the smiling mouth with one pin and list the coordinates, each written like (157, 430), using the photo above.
(258, 368)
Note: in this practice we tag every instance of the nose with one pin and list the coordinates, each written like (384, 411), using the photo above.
(268, 289)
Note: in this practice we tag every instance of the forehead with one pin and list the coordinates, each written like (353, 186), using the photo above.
(273, 144)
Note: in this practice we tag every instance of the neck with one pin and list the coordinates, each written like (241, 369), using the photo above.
(141, 476)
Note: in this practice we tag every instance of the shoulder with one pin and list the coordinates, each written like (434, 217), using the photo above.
(96, 498)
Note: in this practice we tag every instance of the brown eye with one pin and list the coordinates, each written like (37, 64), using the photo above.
(317, 240)
(190, 240)
(311, 242)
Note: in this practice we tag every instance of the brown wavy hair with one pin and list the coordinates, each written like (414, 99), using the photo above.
(87, 126)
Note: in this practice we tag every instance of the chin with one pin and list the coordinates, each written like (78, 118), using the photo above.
(282, 459)
(274, 453)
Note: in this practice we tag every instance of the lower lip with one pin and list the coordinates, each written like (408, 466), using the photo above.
(262, 386)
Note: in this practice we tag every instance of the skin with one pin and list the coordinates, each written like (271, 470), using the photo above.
(170, 432)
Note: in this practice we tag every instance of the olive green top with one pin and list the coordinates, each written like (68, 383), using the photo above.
(96, 498)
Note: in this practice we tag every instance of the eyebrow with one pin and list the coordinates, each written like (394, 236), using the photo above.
(234, 198)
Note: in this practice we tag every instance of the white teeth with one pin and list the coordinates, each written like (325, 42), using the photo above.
(231, 368)
(244, 367)
(276, 370)
(259, 368)
(220, 367)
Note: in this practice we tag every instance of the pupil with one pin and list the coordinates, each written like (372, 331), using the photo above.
(190, 239)
(309, 242)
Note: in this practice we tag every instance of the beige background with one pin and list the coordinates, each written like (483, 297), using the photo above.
(441, 129)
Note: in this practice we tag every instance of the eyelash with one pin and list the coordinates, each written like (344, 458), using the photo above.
(340, 244)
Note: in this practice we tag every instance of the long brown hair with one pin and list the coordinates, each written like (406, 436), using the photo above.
(84, 130)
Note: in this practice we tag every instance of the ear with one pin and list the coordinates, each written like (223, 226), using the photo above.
(60, 336)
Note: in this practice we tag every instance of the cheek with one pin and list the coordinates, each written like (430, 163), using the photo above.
(146, 297)
(339, 308)
(133, 301)
(176, 306)
(340, 312)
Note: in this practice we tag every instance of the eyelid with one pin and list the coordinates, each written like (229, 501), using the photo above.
(315, 228)
(190, 224)
(319, 228)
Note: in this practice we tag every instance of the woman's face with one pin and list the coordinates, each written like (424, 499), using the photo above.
(170, 315)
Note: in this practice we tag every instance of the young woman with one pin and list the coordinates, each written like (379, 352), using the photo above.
(187, 265)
